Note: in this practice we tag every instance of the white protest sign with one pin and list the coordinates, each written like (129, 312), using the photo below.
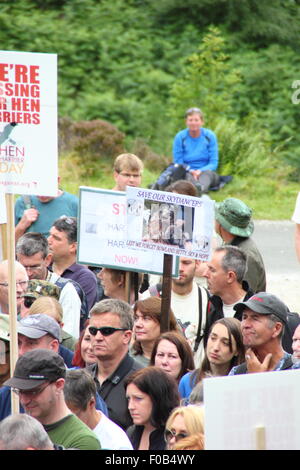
(28, 123)
(170, 223)
(2, 209)
(237, 407)
(102, 234)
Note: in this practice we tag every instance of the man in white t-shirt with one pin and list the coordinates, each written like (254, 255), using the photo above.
(80, 396)
(296, 219)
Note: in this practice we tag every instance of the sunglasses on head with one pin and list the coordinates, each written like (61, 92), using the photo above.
(105, 330)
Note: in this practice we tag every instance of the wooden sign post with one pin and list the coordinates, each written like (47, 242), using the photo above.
(12, 294)
(166, 294)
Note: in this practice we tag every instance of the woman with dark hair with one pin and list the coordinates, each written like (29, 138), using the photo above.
(147, 317)
(224, 350)
(172, 353)
(83, 354)
(152, 395)
(182, 187)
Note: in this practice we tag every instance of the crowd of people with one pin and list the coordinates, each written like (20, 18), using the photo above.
(95, 369)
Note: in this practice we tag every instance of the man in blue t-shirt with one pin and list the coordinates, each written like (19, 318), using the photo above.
(37, 213)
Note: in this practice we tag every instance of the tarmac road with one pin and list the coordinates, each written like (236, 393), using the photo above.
(275, 240)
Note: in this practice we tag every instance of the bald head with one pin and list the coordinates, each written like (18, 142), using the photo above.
(21, 285)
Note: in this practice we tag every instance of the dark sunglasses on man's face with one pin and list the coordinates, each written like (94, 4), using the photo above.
(105, 330)
(28, 301)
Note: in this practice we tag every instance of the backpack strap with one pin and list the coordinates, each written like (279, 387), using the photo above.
(203, 303)
(27, 201)
(241, 369)
(155, 290)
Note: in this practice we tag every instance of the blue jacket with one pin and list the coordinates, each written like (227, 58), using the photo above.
(200, 153)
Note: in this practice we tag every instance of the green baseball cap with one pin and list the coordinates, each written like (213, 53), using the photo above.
(235, 217)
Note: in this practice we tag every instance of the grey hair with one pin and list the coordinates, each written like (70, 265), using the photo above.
(234, 260)
(274, 319)
(31, 243)
(20, 431)
(117, 307)
(197, 395)
(79, 388)
(191, 111)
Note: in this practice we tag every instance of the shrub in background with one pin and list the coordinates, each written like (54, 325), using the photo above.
(89, 141)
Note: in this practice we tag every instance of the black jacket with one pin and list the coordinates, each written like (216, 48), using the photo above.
(156, 439)
(215, 309)
(112, 390)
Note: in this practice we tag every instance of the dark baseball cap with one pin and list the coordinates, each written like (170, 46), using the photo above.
(35, 368)
(38, 325)
(265, 304)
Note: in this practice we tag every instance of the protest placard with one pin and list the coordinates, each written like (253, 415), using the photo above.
(3, 219)
(102, 231)
(170, 223)
(28, 148)
(28, 123)
(251, 407)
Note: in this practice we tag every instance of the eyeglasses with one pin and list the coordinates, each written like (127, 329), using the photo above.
(129, 175)
(30, 393)
(20, 283)
(28, 301)
(169, 434)
(36, 267)
(105, 330)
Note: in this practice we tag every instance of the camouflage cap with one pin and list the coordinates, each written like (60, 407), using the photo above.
(36, 288)
(235, 217)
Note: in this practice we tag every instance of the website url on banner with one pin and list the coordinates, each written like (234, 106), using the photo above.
(15, 183)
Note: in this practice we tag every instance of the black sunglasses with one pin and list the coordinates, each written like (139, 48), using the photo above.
(28, 301)
(105, 330)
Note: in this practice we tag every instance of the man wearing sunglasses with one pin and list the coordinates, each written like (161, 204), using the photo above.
(110, 328)
(39, 380)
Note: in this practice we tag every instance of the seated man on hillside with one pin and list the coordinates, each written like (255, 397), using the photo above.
(197, 147)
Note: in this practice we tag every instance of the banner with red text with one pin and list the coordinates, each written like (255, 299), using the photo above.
(102, 235)
(28, 123)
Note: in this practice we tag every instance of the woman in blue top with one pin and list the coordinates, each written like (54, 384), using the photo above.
(224, 350)
(197, 147)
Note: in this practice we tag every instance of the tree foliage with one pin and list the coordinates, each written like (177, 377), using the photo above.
(208, 81)
(126, 62)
